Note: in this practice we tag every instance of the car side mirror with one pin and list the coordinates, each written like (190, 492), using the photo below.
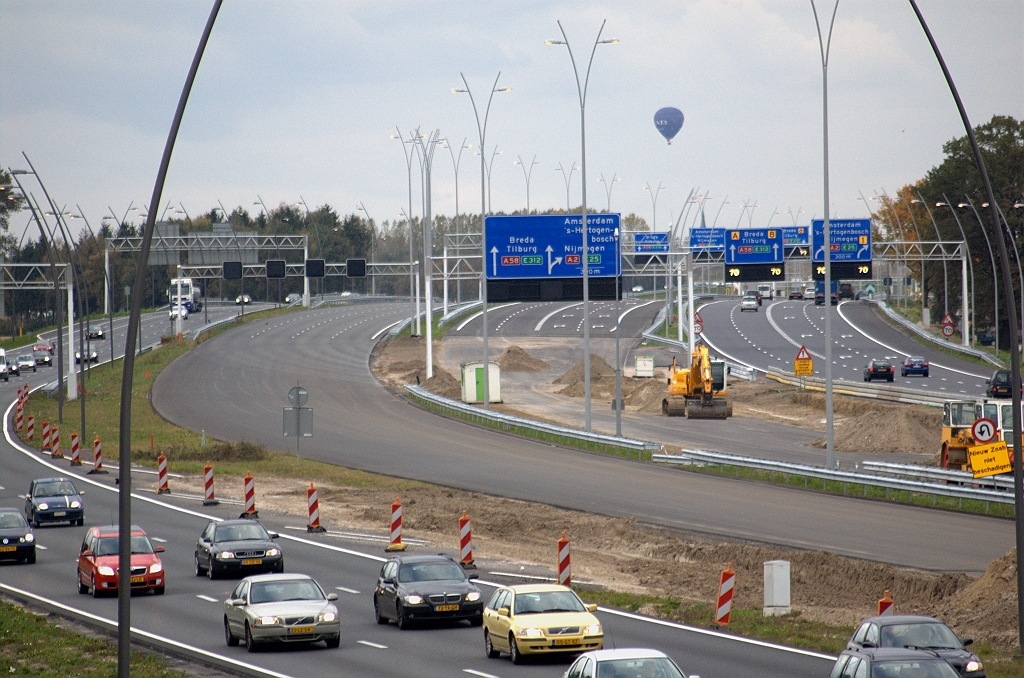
(388, 580)
(502, 611)
(867, 643)
(159, 549)
(592, 608)
(274, 535)
(87, 553)
(967, 641)
(473, 576)
(238, 602)
(332, 596)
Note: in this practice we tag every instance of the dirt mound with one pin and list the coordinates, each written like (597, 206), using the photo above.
(647, 395)
(987, 608)
(444, 385)
(895, 430)
(515, 359)
(598, 369)
(402, 360)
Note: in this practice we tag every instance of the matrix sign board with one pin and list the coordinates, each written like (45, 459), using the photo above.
(794, 236)
(845, 270)
(754, 246)
(754, 272)
(850, 239)
(550, 246)
(650, 242)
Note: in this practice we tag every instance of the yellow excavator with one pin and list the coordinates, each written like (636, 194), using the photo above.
(697, 392)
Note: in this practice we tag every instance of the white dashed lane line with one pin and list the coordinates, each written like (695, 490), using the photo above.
(209, 599)
(346, 590)
(374, 645)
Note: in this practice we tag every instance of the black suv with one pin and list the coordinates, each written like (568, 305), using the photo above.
(998, 385)
(420, 588)
(917, 633)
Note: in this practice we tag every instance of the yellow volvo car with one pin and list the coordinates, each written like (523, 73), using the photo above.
(539, 619)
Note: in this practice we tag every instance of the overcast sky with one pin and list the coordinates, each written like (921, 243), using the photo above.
(300, 98)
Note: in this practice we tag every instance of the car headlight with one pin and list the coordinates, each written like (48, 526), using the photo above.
(43, 506)
(225, 555)
(266, 621)
(156, 567)
(327, 616)
(106, 571)
(472, 596)
(76, 504)
(531, 633)
(414, 599)
(592, 630)
(29, 538)
(974, 665)
(273, 552)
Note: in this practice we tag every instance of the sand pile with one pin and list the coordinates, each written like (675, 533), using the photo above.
(598, 368)
(899, 429)
(515, 359)
(987, 609)
(444, 384)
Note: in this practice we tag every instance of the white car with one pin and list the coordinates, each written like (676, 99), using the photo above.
(748, 304)
(809, 293)
(293, 298)
(625, 662)
(638, 288)
(173, 313)
(346, 293)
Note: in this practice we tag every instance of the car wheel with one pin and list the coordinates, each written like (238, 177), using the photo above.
(903, 373)
(400, 618)
(926, 374)
(211, 571)
(333, 643)
(229, 637)
(477, 620)
(159, 591)
(31, 560)
(95, 589)
(199, 568)
(81, 522)
(489, 647)
(890, 379)
(513, 650)
(250, 642)
(82, 588)
(381, 619)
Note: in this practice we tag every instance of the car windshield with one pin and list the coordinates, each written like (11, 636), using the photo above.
(443, 571)
(926, 634)
(547, 601)
(107, 546)
(280, 591)
(11, 519)
(55, 488)
(923, 668)
(241, 533)
(651, 667)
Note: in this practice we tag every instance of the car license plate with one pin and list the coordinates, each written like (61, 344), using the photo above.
(138, 580)
(300, 630)
(253, 561)
(446, 608)
(565, 641)
(8, 549)
(59, 514)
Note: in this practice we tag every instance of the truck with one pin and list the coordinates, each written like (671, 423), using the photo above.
(819, 292)
(190, 297)
(958, 417)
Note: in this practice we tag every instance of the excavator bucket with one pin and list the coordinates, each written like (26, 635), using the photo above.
(715, 410)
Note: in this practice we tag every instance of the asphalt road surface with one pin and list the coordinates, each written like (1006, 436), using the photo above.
(235, 386)
(561, 319)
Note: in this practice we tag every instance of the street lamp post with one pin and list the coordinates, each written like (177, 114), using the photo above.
(425, 148)
(319, 245)
(581, 90)
(527, 173)
(490, 164)
(608, 186)
(456, 161)
(938, 236)
(998, 234)
(995, 274)
(481, 128)
(373, 241)
(567, 178)
(654, 228)
(408, 166)
(972, 324)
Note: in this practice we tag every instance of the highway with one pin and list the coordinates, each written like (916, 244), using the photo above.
(561, 319)
(772, 336)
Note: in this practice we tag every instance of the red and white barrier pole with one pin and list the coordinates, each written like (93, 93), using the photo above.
(208, 497)
(396, 527)
(75, 460)
(19, 416)
(249, 486)
(886, 606)
(725, 590)
(55, 452)
(161, 475)
(46, 435)
(564, 562)
(97, 457)
(466, 541)
(313, 502)
(30, 429)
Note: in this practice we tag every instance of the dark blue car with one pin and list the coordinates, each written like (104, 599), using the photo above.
(16, 539)
(915, 365)
(54, 500)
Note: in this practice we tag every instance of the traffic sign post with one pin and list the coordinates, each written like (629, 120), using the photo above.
(795, 236)
(803, 365)
(948, 325)
(983, 431)
(698, 324)
(298, 420)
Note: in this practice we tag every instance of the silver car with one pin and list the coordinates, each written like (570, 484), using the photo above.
(625, 662)
(280, 608)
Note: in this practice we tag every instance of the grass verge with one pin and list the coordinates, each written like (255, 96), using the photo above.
(33, 645)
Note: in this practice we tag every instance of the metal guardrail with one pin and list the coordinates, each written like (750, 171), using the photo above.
(457, 311)
(941, 474)
(508, 422)
(689, 457)
(868, 390)
(921, 332)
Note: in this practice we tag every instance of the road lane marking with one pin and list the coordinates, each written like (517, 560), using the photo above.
(369, 644)
(40, 546)
(347, 590)
(479, 673)
(207, 598)
(159, 540)
(480, 313)
(549, 315)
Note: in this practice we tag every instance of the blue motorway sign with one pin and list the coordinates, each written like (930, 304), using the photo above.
(712, 239)
(794, 236)
(851, 239)
(754, 246)
(550, 245)
(649, 242)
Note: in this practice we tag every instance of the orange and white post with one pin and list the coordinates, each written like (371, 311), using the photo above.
(161, 476)
(725, 590)
(208, 497)
(564, 561)
(886, 606)
(30, 428)
(55, 452)
(75, 459)
(396, 527)
(313, 504)
(46, 435)
(19, 416)
(249, 485)
(466, 541)
(97, 457)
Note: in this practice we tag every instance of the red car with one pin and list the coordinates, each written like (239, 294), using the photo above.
(97, 562)
(44, 346)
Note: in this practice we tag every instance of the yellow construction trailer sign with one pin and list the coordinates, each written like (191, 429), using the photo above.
(803, 366)
(990, 460)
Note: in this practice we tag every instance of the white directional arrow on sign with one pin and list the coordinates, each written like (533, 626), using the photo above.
(494, 260)
(552, 264)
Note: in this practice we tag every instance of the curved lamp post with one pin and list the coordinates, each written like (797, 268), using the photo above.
(608, 186)
(409, 155)
(527, 174)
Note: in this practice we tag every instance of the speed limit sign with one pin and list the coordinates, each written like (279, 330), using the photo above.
(698, 328)
(983, 430)
(947, 330)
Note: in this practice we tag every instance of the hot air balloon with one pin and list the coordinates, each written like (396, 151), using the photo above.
(669, 121)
